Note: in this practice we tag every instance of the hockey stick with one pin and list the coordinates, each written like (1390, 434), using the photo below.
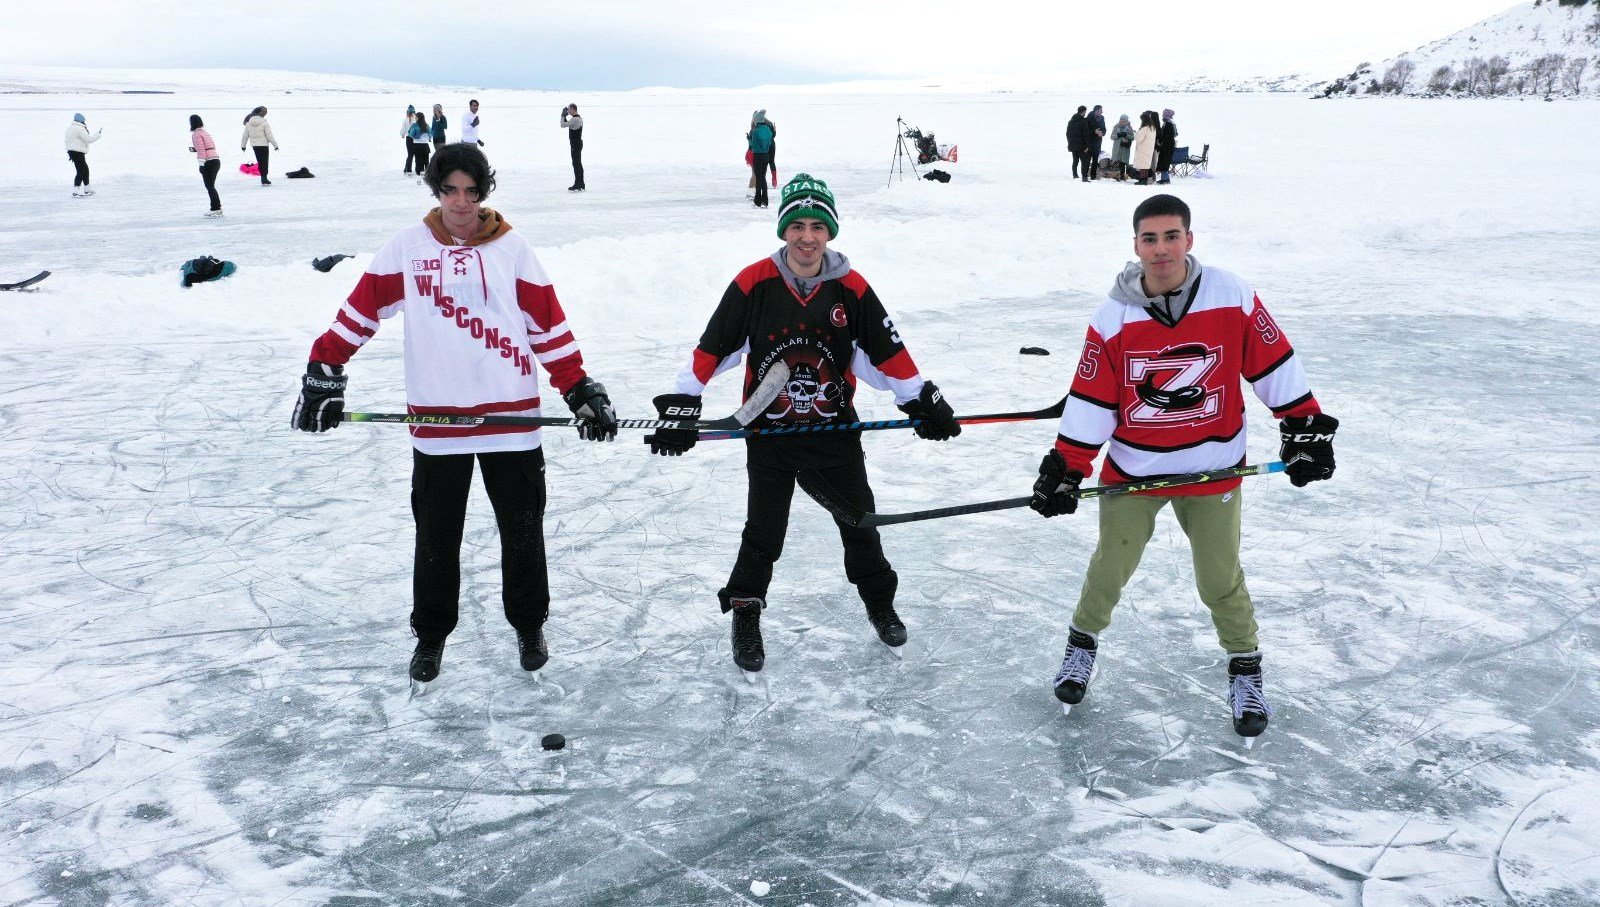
(851, 515)
(760, 398)
(1049, 412)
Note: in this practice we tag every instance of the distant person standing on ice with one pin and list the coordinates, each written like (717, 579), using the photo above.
(1166, 143)
(1160, 379)
(760, 116)
(1122, 136)
(760, 140)
(573, 124)
(805, 307)
(1144, 146)
(480, 313)
(411, 144)
(205, 151)
(1094, 134)
(469, 125)
(438, 126)
(78, 140)
(420, 138)
(258, 135)
(1077, 141)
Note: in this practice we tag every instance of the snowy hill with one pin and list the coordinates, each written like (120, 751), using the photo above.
(81, 80)
(1547, 48)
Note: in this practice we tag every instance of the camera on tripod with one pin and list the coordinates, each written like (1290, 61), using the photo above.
(927, 147)
(924, 149)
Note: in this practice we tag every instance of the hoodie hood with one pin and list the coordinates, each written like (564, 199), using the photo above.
(78, 118)
(1166, 308)
(491, 226)
(834, 266)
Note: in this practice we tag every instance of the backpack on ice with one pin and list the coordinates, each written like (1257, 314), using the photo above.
(204, 268)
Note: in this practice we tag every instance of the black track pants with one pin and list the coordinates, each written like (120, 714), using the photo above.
(80, 168)
(208, 173)
(439, 487)
(773, 473)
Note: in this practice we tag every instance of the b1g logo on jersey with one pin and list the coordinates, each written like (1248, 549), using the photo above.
(1171, 387)
(425, 264)
(837, 316)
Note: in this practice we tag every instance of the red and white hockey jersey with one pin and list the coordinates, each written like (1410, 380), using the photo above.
(477, 317)
(1169, 398)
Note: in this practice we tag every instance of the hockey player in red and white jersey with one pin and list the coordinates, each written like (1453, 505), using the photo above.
(480, 313)
(804, 306)
(1160, 379)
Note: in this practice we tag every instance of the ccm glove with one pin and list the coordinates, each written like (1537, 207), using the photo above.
(1056, 491)
(1307, 450)
(672, 442)
(934, 412)
(321, 403)
(588, 401)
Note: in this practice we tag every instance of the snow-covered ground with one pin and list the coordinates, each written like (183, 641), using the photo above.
(202, 620)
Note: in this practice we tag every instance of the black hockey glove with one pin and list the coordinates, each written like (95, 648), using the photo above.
(672, 442)
(938, 419)
(321, 403)
(588, 401)
(1307, 450)
(1056, 491)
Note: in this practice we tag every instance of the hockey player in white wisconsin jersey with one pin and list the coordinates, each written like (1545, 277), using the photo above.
(479, 312)
(1160, 379)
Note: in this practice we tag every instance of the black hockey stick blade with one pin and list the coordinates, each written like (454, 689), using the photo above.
(767, 391)
(24, 284)
(851, 515)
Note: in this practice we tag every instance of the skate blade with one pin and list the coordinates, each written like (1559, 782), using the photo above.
(898, 653)
(1066, 708)
(418, 688)
(1249, 743)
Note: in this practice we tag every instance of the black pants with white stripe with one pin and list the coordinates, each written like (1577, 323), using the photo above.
(439, 488)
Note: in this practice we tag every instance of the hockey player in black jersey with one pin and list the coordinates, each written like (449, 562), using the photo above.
(806, 307)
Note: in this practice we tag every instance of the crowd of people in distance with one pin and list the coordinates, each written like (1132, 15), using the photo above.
(1143, 154)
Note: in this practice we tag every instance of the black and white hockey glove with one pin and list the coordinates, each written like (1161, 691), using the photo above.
(672, 442)
(937, 418)
(588, 401)
(1056, 490)
(1307, 450)
(321, 403)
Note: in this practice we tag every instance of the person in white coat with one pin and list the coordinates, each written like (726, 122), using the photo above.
(1144, 146)
(78, 140)
(258, 135)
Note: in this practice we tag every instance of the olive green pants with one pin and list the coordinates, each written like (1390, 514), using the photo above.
(1212, 524)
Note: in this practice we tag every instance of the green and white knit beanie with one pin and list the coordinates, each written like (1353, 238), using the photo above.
(807, 196)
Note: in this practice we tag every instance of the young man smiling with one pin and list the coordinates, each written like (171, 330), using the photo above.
(806, 307)
(1159, 379)
(480, 311)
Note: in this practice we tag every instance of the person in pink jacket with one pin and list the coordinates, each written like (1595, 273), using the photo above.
(205, 150)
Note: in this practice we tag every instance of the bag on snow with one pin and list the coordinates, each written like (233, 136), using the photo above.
(250, 169)
(301, 174)
(326, 264)
(204, 268)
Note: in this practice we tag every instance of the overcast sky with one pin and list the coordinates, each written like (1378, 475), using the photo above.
(620, 44)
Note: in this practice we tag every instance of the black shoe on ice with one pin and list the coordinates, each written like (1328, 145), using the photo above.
(888, 624)
(425, 660)
(748, 653)
(531, 648)
(1072, 681)
(1247, 697)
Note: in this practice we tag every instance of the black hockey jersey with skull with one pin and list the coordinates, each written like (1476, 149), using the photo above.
(830, 337)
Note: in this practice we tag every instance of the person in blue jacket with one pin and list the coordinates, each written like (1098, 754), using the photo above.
(760, 137)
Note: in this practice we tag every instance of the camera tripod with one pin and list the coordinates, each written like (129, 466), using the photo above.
(901, 153)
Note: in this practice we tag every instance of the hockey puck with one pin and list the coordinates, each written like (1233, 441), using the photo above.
(1034, 351)
(553, 742)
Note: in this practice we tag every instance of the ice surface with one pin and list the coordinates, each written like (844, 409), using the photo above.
(202, 664)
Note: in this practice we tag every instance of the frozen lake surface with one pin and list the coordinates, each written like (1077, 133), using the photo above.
(202, 620)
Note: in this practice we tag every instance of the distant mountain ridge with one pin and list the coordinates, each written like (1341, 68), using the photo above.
(1547, 48)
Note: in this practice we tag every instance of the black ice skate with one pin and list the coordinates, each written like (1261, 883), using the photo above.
(1246, 697)
(531, 648)
(748, 652)
(888, 624)
(1072, 681)
(425, 664)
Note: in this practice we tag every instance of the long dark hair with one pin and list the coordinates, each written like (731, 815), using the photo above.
(260, 110)
(195, 122)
